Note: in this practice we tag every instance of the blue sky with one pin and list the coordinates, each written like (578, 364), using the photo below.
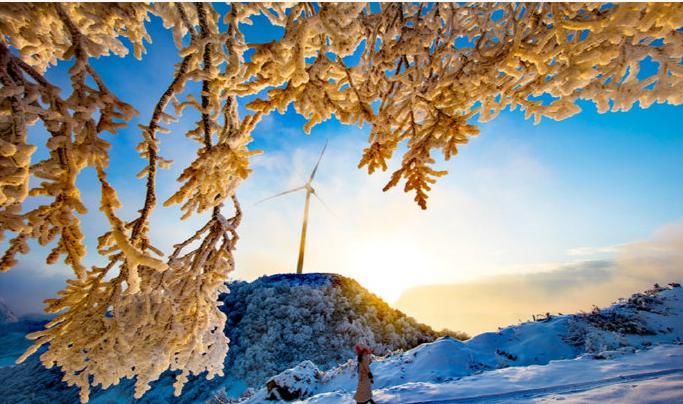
(519, 198)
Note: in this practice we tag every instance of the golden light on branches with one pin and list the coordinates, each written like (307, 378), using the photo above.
(425, 74)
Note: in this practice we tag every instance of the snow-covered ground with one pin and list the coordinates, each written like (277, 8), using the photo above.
(654, 375)
(665, 389)
(636, 341)
(631, 352)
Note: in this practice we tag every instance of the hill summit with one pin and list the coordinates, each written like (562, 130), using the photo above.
(278, 321)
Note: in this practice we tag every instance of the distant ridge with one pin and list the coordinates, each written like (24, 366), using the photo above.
(6, 314)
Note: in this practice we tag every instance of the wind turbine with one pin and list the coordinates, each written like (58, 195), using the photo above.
(309, 191)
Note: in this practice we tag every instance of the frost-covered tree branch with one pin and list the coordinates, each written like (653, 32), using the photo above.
(419, 74)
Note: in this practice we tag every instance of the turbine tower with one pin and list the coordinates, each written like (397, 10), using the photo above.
(309, 191)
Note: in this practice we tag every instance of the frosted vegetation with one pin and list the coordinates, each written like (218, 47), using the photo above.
(429, 74)
(626, 341)
(282, 320)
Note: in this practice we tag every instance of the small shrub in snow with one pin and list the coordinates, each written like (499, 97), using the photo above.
(542, 317)
(459, 335)
(615, 321)
(220, 398)
(506, 355)
(647, 301)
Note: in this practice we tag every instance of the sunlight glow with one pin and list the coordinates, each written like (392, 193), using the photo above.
(386, 266)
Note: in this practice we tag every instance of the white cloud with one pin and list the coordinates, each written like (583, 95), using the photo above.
(589, 251)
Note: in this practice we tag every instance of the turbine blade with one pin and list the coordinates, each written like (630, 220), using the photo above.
(315, 169)
(280, 194)
(324, 204)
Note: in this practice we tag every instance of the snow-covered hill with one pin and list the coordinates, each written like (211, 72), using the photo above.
(278, 321)
(626, 352)
(273, 324)
(445, 368)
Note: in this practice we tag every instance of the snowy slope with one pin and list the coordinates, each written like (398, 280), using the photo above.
(12, 333)
(664, 388)
(583, 379)
(642, 321)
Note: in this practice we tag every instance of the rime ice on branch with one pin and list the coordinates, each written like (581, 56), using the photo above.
(431, 72)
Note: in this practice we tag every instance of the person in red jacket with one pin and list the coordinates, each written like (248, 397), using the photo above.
(365, 379)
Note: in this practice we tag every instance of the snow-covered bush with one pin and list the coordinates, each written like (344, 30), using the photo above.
(606, 329)
(648, 300)
(459, 335)
(221, 397)
(295, 383)
(611, 320)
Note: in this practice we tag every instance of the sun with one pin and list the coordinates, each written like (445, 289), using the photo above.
(386, 266)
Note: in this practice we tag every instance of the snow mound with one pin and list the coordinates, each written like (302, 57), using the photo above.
(293, 383)
(647, 319)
